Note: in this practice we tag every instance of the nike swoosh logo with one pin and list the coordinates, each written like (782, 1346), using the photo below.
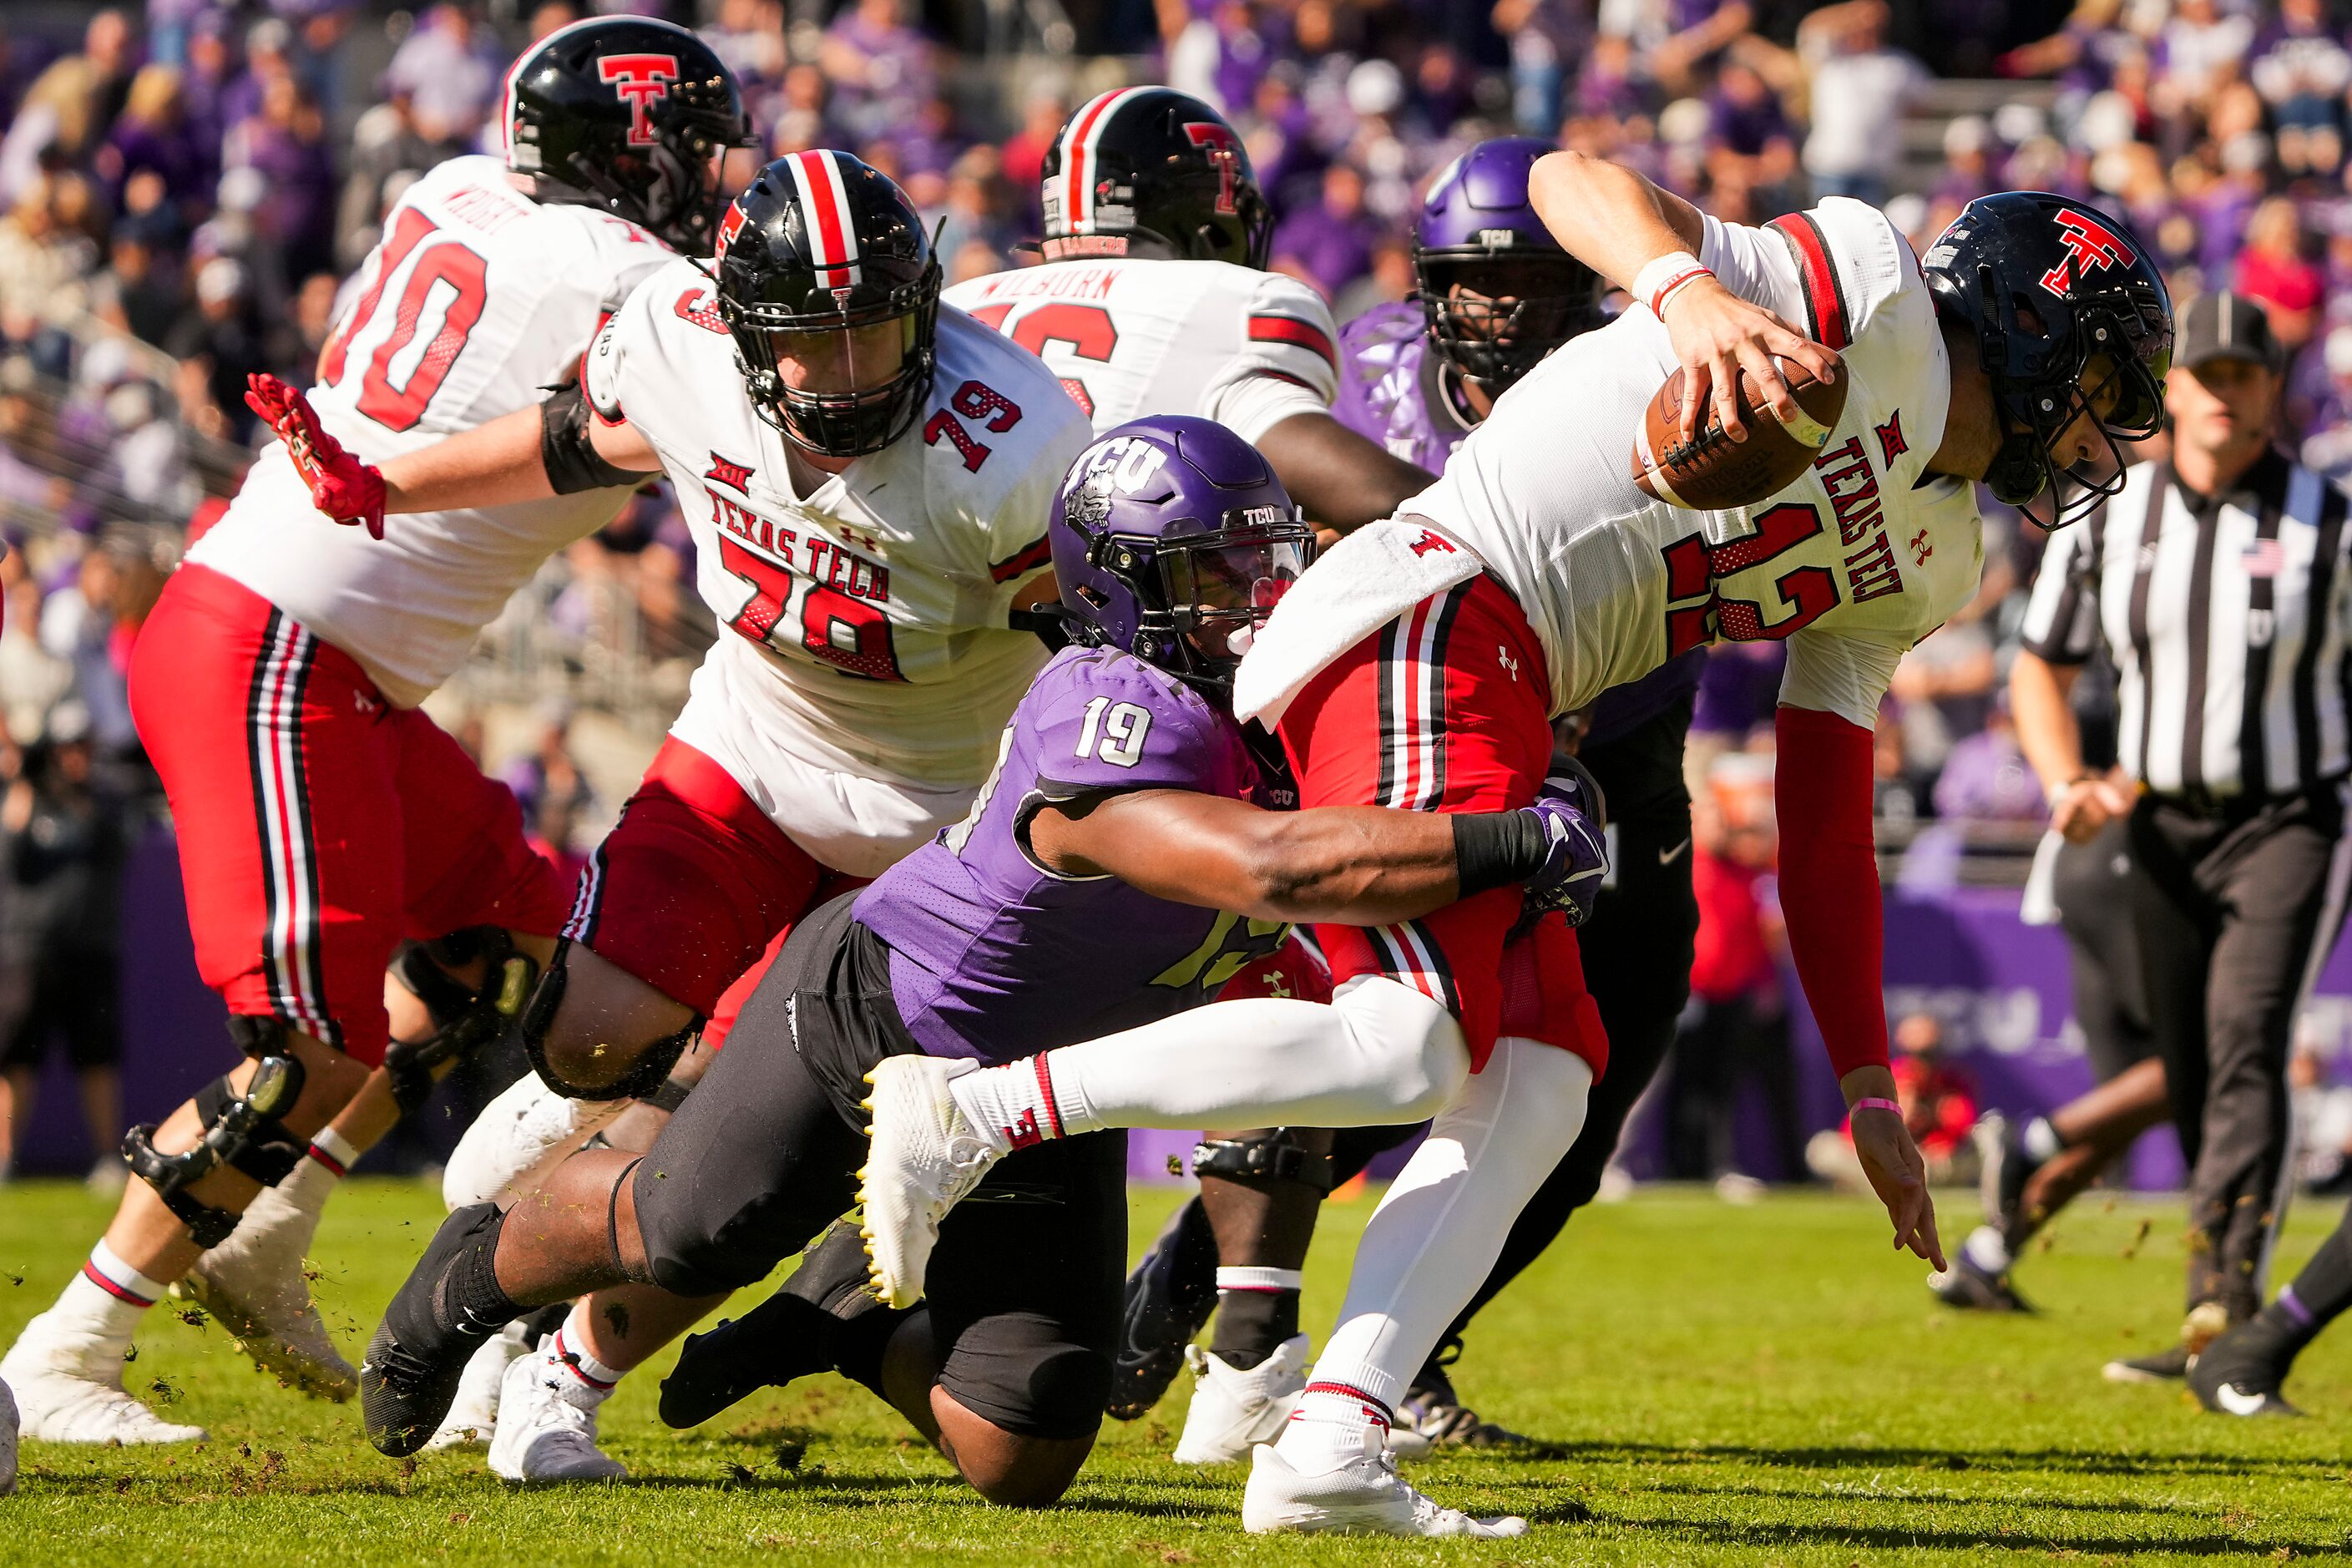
(1668, 857)
(2238, 1403)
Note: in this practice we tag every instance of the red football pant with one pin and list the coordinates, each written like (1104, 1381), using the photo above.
(1447, 709)
(693, 883)
(318, 823)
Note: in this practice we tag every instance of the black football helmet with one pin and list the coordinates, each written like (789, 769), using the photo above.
(1147, 171)
(2071, 317)
(628, 114)
(828, 282)
(1479, 229)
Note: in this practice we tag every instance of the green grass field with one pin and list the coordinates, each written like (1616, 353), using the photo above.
(1720, 1385)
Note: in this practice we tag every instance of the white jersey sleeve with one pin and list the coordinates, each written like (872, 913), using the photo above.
(1288, 363)
(1844, 673)
(475, 301)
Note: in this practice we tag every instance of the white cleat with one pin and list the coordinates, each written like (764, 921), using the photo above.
(547, 1426)
(1364, 1495)
(474, 1412)
(253, 1285)
(1233, 1411)
(525, 1126)
(8, 1441)
(69, 1388)
(922, 1158)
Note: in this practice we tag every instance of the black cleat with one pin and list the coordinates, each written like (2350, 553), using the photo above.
(1169, 1297)
(421, 1348)
(2243, 1373)
(2168, 1365)
(1434, 1413)
(783, 1337)
(1972, 1289)
(2005, 1168)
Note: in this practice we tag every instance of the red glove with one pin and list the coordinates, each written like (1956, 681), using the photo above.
(342, 486)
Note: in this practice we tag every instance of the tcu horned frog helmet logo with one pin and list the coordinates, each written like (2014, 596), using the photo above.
(639, 79)
(2090, 247)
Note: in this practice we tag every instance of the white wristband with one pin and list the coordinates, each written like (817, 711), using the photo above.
(1669, 275)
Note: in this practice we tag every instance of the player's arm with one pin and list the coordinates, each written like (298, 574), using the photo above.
(1343, 479)
(2061, 625)
(554, 448)
(1624, 227)
(1346, 864)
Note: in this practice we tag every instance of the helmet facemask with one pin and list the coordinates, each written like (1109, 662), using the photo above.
(1199, 597)
(840, 386)
(1510, 311)
(2106, 367)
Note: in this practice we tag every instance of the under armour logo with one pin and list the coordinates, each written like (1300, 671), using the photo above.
(2090, 247)
(734, 476)
(1920, 548)
(639, 79)
(1508, 663)
(1024, 1131)
(1278, 986)
(1429, 542)
(363, 704)
(868, 542)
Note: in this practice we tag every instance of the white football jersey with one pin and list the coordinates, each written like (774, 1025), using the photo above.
(475, 301)
(878, 603)
(1850, 565)
(1131, 336)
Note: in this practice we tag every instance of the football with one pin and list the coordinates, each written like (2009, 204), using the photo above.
(1711, 471)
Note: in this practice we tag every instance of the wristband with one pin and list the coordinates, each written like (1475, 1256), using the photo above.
(1496, 850)
(1874, 1104)
(1669, 275)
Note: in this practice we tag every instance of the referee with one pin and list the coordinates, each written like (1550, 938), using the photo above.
(2219, 583)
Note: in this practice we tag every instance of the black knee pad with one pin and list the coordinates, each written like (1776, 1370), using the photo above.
(269, 1152)
(1022, 1371)
(643, 1078)
(464, 1019)
(241, 1132)
(689, 1248)
(1265, 1160)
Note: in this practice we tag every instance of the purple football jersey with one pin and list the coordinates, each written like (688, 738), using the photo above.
(1392, 390)
(996, 957)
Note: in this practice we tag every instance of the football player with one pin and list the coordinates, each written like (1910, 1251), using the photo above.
(866, 476)
(1154, 298)
(1112, 871)
(1494, 295)
(321, 816)
(1419, 664)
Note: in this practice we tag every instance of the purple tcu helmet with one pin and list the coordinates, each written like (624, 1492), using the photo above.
(1480, 243)
(1172, 540)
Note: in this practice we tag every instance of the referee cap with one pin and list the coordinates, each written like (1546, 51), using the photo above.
(2225, 325)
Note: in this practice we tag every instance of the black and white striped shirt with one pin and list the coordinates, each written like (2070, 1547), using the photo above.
(2226, 619)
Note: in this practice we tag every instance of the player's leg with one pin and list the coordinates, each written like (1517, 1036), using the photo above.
(1636, 952)
(2243, 1373)
(290, 845)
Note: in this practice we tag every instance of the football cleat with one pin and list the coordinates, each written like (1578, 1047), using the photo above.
(2003, 1167)
(776, 1341)
(254, 1286)
(1169, 1298)
(2243, 1373)
(547, 1425)
(420, 1351)
(474, 1412)
(68, 1389)
(1433, 1414)
(922, 1158)
(2169, 1365)
(1233, 1409)
(1363, 1496)
(1973, 1288)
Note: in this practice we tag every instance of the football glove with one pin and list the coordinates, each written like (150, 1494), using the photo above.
(344, 487)
(1572, 814)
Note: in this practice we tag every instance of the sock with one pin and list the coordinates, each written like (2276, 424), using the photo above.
(1986, 1249)
(1433, 1239)
(331, 1152)
(1380, 1055)
(2320, 1293)
(1257, 1310)
(579, 1377)
(2040, 1140)
(109, 1296)
(1013, 1106)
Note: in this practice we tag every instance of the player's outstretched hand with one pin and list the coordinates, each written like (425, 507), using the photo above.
(1715, 335)
(1572, 813)
(344, 487)
(1899, 1176)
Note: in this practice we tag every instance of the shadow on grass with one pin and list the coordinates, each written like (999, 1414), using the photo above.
(1847, 1458)
(1890, 1538)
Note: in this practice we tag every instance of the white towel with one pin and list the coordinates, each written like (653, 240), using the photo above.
(1364, 582)
(2039, 907)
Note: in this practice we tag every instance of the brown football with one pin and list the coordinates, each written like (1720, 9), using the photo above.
(1711, 471)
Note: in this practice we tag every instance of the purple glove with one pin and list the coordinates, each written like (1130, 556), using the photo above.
(1572, 814)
